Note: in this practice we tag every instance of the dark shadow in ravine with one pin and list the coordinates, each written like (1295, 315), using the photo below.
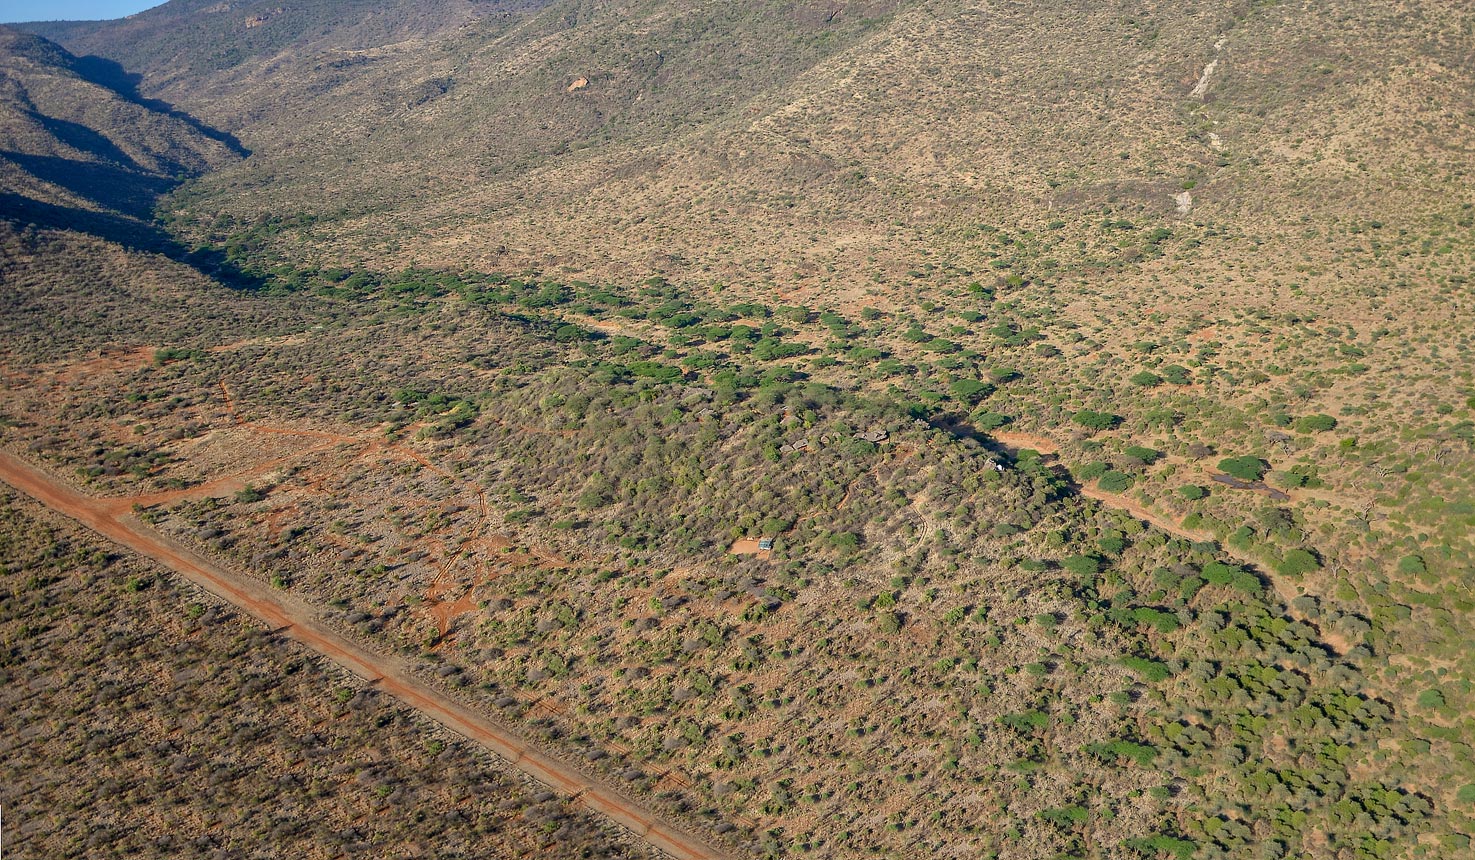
(84, 139)
(123, 189)
(131, 233)
(108, 73)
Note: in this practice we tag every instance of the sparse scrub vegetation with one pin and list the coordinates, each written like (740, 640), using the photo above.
(821, 501)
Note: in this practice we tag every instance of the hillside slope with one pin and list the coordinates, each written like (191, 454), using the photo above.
(698, 137)
(82, 164)
(70, 139)
(181, 43)
(1099, 374)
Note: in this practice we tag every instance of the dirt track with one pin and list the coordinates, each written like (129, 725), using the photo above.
(298, 620)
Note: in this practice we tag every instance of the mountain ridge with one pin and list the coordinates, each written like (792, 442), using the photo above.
(69, 134)
(936, 113)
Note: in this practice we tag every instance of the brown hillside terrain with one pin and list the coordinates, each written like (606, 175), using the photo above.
(826, 139)
(1099, 380)
(69, 138)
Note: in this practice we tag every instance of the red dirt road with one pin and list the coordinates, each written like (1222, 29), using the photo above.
(299, 620)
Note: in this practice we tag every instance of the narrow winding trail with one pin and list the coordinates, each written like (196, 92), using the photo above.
(299, 620)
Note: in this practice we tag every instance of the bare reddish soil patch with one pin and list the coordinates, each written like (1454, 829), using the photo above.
(749, 546)
(1032, 441)
(110, 361)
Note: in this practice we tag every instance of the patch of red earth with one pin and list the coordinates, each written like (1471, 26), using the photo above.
(550, 559)
(110, 361)
(275, 519)
(1026, 440)
(441, 583)
(230, 403)
(446, 613)
(548, 706)
(749, 546)
(222, 486)
(674, 779)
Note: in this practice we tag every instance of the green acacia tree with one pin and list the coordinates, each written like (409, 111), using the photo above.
(1244, 468)
(970, 391)
(1093, 420)
(1297, 562)
(1315, 423)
